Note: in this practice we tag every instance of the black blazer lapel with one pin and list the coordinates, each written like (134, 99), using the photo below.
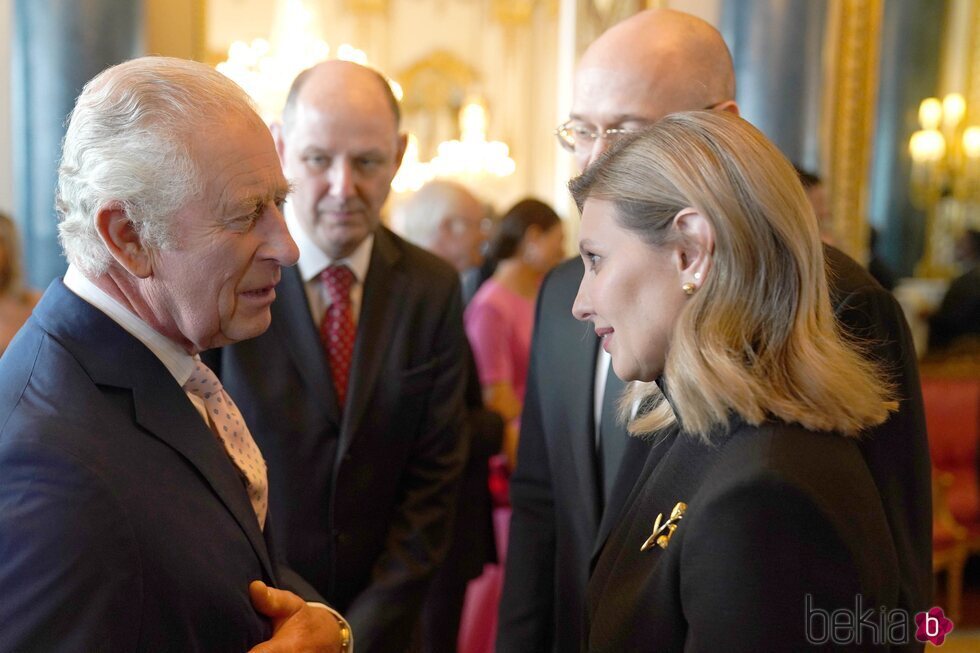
(671, 473)
(639, 454)
(161, 406)
(379, 314)
(292, 325)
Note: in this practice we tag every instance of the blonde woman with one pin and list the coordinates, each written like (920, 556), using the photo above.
(16, 301)
(756, 516)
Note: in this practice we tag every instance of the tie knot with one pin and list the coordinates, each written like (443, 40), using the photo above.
(338, 280)
(203, 382)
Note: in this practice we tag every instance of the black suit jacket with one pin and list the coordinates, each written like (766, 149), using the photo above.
(775, 514)
(555, 490)
(555, 526)
(124, 526)
(364, 495)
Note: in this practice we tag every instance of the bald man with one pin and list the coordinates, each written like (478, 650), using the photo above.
(356, 392)
(576, 466)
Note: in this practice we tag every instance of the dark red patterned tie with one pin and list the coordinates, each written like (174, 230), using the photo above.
(337, 329)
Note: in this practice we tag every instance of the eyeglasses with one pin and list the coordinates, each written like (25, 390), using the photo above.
(574, 135)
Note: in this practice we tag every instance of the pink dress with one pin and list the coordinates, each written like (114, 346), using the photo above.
(498, 323)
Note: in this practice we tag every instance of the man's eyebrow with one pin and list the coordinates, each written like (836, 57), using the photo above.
(253, 202)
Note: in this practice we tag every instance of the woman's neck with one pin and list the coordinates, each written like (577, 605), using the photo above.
(519, 277)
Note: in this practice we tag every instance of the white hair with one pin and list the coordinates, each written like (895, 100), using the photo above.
(128, 144)
(421, 215)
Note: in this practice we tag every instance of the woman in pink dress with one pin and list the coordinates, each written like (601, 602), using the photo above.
(527, 243)
(16, 300)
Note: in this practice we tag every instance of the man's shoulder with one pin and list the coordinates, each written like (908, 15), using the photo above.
(846, 276)
(417, 263)
(561, 284)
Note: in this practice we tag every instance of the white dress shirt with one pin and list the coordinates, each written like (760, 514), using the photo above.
(313, 261)
(177, 361)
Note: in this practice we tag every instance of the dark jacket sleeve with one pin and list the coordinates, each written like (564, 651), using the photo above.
(419, 536)
(69, 565)
(527, 602)
(768, 544)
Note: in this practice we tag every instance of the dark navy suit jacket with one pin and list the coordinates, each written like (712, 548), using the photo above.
(124, 526)
(366, 493)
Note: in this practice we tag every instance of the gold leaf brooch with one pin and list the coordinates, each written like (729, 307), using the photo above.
(663, 532)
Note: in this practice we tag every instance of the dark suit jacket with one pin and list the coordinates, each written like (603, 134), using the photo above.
(555, 489)
(364, 496)
(554, 526)
(124, 526)
(775, 514)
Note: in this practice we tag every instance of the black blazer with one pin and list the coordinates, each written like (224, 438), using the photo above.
(124, 526)
(781, 523)
(555, 529)
(364, 497)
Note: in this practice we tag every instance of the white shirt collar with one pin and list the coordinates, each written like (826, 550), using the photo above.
(177, 361)
(313, 260)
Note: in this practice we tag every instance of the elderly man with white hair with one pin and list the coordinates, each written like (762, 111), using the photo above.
(133, 499)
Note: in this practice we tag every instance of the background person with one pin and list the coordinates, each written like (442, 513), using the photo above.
(16, 301)
(356, 391)
(447, 219)
(956, 323)
(527, 243)
(705, 281)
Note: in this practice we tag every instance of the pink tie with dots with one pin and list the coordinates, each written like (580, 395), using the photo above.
(227, 423)
(337, 329)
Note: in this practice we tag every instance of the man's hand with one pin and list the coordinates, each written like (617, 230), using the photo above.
(296, 626)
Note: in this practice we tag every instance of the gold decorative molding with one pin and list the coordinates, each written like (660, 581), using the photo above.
(367, 7)
(853, 42)
(972, 90)
(435, 82)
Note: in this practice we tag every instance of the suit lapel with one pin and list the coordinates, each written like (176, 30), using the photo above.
(635, 458)
(293, 325)
(165, 411)
(581, 408)
(572, 391)
(112, 357)
(383, 288)
(672, 472)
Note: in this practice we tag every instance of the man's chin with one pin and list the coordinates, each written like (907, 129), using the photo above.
(242, 329)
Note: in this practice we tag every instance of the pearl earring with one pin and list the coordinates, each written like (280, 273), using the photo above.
(697, 276)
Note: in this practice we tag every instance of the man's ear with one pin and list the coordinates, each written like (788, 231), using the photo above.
(279, 138)
(728, 105)
(402, 146)
(123, 242)
(693, 253)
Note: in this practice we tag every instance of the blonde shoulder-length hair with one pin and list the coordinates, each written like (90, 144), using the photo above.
(759, 338)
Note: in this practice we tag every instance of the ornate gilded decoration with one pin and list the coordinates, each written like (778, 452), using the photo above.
(853, 38)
